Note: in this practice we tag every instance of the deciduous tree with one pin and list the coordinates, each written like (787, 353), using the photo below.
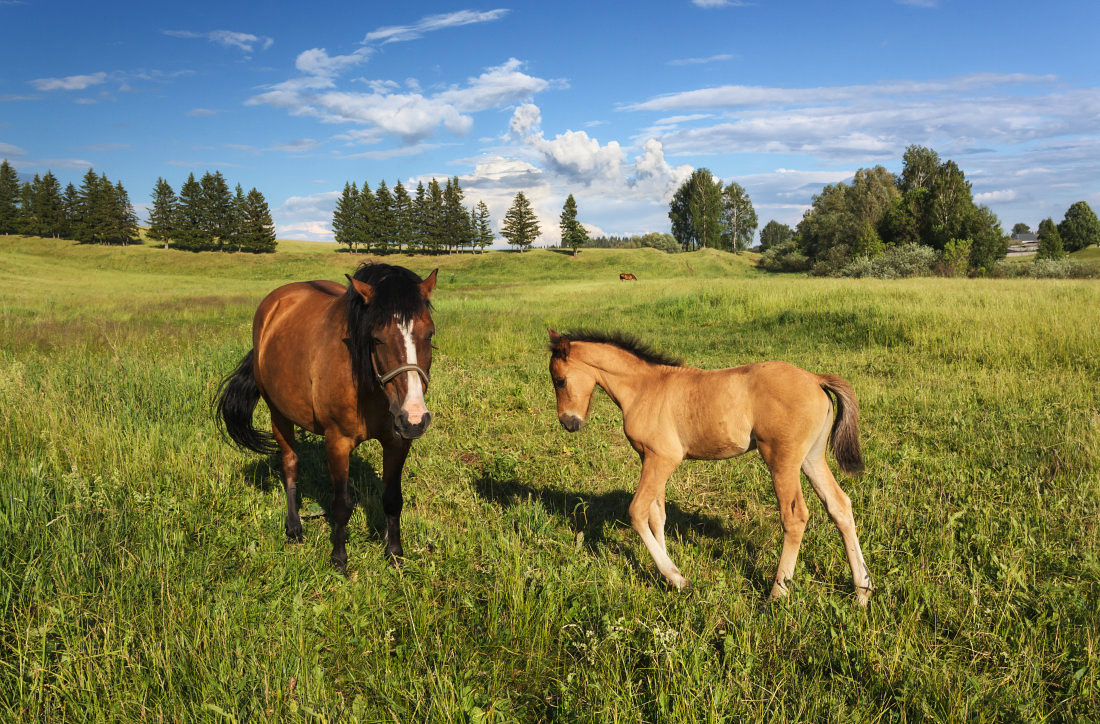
(1080, 227)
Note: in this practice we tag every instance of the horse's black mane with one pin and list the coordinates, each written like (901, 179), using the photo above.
(623, 341)
(396, 294)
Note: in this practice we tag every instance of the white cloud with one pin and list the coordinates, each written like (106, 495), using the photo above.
(203, 112)
(410, 116)
(246, 42)
(298, 145)
(995, 196)
(398, 33)
(70, 82)
(317, 61)
(6, 149)
(702, 61)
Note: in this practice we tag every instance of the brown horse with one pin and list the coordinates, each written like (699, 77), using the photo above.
(627, 277)
(672, 413)
(350, 363)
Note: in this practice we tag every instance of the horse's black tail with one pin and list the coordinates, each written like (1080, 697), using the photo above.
(236, 399)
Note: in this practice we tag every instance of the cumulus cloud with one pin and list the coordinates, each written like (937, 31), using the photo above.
(246, 42)
(398, 33)
(69, 82)
(988, 197)
(410, 116)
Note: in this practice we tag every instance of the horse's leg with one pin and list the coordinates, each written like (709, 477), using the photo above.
(657, 519)
(655, 472)
(393, 462)
(793, 512)
(338, 450)
(840, 510)
(283, 430)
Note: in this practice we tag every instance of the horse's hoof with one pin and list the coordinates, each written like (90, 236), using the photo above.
(295, 535)
(395, 557)
(341, 567)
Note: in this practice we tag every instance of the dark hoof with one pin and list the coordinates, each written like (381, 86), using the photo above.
(294, 535)
(340, 566)
(395, 556)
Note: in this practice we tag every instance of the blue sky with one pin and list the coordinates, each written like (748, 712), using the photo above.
(614, 102)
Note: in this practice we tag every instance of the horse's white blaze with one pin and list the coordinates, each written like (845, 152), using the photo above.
(413, 405)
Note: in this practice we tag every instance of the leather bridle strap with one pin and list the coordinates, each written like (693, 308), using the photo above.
(383, 379)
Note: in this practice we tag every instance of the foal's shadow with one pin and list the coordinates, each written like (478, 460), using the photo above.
(594, 515)
(314, 483)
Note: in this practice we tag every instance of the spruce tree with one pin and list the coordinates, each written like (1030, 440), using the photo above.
(402, 216)
(366, 221)
(162, 217)
(189, 220)
(344, 216)
(217, 209)
(456, 224)
(484, 234)
(573, 235)
(384, 221)
(436, 231)
(520, 227)
(418, 226)
(235, 241)
(9, 198)
(124, 219)
(88, 227)
(49, 206)
(258, 234)
(27, 223)
(70, 204)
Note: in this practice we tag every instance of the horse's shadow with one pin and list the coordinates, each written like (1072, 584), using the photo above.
(314, 483)
(595, 515)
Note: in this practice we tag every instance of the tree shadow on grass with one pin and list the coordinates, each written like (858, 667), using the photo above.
(594, 515)
(314, 484)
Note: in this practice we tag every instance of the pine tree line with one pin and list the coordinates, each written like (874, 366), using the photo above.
(99, 212)
(207, 217)
(433, 220)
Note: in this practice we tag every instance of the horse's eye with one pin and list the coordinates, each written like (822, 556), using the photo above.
(559, 383)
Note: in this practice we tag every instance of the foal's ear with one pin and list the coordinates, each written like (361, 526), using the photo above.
(559, 345)
(428, 285)
(366, 291)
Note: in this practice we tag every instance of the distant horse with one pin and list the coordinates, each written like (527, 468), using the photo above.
(348, 363)
(672, 413)
(627, 278)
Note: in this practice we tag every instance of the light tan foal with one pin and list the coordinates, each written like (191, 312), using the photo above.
(672, 413)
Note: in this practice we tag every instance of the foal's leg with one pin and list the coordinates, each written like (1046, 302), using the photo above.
(657, 519)
(283, 430)
(840, 510)
(793, 513)
(393, 462)
(655, 472)
(338, 449)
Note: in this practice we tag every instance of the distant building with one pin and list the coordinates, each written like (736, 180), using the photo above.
(1023, 244)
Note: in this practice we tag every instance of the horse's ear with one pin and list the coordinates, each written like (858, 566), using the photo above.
(559, 345)
(428, 285)
(366, 291)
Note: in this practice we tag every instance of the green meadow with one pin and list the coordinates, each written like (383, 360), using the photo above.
(144, 572)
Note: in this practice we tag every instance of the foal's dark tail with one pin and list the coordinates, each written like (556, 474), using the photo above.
(844, 436)
(236, 399)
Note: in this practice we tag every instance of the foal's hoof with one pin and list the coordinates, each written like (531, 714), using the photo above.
(295, 535)
(395, 556)
(340, 566)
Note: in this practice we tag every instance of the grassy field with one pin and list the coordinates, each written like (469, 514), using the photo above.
(144, 573)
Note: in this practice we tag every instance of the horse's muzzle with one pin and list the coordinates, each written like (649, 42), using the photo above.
(570, 422)
(411, 431)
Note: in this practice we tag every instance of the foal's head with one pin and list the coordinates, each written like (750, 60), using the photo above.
(573, 383)
(390, 328)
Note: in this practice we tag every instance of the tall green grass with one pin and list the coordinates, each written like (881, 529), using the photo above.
(144, 572)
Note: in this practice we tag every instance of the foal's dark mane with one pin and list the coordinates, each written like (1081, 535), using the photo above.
(623, 341)
(396, 293)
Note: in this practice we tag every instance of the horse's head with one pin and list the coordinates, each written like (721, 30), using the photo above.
(573, 384)
(396, 346)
